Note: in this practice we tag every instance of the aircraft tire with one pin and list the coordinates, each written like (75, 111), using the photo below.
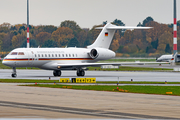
(80, 72)
(55, 73)
(59, 73)
(14, 75)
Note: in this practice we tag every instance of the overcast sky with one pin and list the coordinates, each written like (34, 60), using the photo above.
(86, 12)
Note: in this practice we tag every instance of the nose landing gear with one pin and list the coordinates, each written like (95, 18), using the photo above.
(14, 72)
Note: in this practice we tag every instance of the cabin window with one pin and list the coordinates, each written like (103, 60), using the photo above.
(59, 55)
(66, 55)
(35, 55)
(20, 53)
(45, 55)
(49, 55)
(42, 55)
(76, 55)
(55, 55)
(63, 55)
(52, 55)
(14, 53)
(69, 55)
(38, 55)
(73, 55)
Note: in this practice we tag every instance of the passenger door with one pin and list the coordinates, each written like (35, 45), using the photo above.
(30, 58)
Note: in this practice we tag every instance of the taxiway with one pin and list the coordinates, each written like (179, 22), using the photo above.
(100, 75)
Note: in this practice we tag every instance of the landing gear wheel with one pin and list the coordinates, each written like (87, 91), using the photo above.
(14, 72)
(80, 72)
(57, 73)
(14, 75)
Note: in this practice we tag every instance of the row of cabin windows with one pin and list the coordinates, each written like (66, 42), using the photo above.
(56, 55)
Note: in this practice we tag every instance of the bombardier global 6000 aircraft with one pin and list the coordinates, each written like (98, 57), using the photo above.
(58, 59)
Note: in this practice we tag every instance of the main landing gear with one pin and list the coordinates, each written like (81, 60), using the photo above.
(14, 72)
(57, 73)
(80, 72)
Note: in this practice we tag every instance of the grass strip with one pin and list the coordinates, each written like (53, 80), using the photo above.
(27, 81)
(160, 90)
(100, 82)
(135, 82)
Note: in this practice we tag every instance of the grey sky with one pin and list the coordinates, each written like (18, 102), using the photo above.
(87, 12)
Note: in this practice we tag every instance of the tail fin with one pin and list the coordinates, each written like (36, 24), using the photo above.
(105, 37)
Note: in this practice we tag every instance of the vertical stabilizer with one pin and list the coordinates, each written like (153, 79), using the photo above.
(105, 37)
(175, 31)
(27, 23)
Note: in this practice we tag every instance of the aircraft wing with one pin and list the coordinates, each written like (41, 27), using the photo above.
(114, 64)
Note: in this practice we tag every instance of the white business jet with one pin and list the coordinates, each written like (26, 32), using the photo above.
(58, 59)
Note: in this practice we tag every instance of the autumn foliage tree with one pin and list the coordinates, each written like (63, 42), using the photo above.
(42, 37)
(151, 42)
(62, 35)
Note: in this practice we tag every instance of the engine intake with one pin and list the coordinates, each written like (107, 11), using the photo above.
(101, 53)
(94, 54)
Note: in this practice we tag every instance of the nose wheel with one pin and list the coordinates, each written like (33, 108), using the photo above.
(80, 72)
(13, 75)
(14, 72)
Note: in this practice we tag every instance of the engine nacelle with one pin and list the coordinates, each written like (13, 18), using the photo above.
(101, 54)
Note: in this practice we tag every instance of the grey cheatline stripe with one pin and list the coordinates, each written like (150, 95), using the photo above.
(98, 113)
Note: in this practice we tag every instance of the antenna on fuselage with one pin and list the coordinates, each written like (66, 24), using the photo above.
(27, 23)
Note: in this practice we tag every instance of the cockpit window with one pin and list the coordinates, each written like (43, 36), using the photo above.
(14, 53)
(20, 53)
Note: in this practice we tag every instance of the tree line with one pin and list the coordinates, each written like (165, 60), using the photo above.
(152, 42)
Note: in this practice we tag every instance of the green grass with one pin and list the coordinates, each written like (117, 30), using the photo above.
(57, 81)
(131, 89)
(127, 68)
(26, 81)
(135, 82)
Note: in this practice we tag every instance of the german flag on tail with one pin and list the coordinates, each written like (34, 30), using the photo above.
(106, 34)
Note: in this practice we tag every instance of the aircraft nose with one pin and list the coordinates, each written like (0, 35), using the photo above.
(4, 62)
(158, 60)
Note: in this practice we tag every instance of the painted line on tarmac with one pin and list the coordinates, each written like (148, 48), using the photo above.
(99, 113)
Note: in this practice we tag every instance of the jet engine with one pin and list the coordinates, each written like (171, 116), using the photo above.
(101, 53)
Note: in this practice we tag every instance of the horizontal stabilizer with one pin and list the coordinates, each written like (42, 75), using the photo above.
(126, 27)
(123, 27)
